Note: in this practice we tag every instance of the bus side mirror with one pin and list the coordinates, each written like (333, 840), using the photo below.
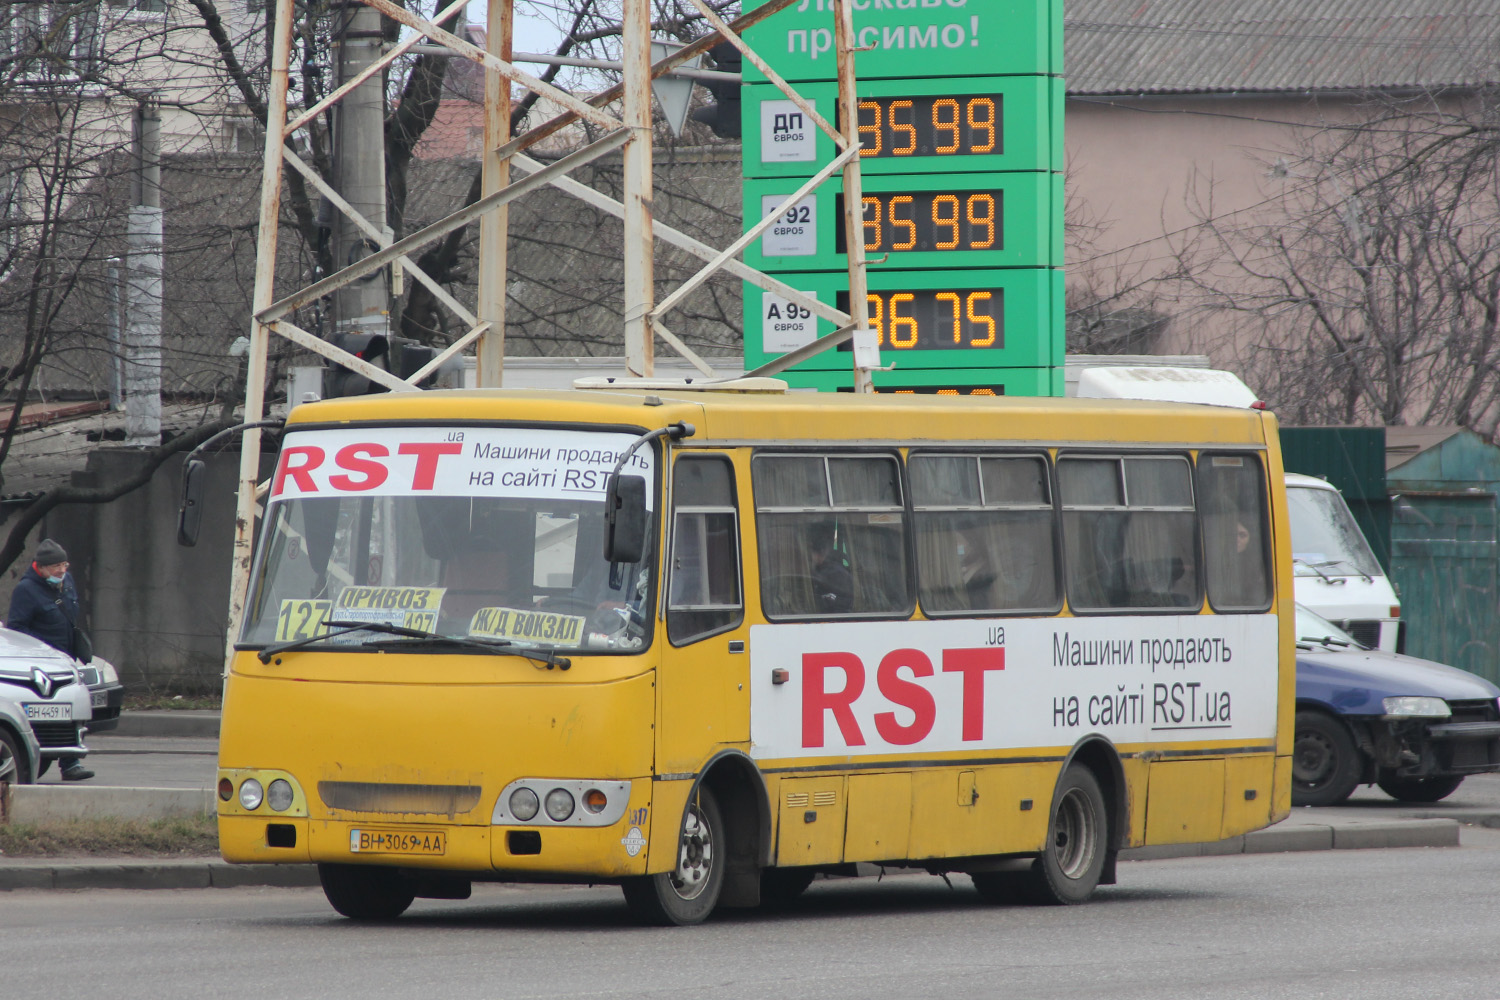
(190, 513)
(625, 519)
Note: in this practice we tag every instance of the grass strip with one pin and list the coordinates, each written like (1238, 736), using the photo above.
(187, 836)
(150, 701)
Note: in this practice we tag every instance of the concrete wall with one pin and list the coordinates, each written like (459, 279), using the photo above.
(154, 609)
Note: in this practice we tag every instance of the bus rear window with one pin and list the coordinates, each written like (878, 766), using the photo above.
(1236, 536)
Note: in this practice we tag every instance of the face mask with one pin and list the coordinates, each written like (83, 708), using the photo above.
(54, 580)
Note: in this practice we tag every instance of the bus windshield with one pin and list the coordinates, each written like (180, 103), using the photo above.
(488, 533)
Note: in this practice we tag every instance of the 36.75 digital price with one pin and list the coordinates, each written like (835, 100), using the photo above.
(936, 319)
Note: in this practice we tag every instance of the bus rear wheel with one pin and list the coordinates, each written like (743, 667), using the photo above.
(1432, 789)
(688, 893)
(365, 892)
(1068, 869)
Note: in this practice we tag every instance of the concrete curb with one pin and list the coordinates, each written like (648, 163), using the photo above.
(130, 874)
(1313, 837)
(168, 723)
(55, 803)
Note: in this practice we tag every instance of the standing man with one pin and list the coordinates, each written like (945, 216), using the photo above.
(45, 605)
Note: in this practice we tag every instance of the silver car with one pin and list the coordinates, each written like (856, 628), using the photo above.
(46, 687)
(19, 751)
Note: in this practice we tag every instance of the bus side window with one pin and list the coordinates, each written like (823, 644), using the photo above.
(703, 595)
(1232, 505)
(832, 536)
(986, 534)
(1130, 532)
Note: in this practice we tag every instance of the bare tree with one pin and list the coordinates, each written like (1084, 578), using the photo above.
(71, 78)
(1110, 308)
(1368, 291)
(565, 258)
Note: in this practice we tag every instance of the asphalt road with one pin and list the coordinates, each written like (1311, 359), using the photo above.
(1391, 924)
(148, 762)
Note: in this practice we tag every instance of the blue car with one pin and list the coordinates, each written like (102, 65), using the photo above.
(1413, 727)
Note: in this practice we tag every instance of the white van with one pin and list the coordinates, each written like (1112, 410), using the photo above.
(1337, 576)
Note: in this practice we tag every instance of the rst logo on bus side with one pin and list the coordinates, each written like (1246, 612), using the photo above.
(846, 689)
(898, 679)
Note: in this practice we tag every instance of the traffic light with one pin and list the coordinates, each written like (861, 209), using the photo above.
(398, 355)
(724, 116)
(411, 357)
(340, 381)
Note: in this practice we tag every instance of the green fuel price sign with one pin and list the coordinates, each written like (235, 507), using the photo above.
(969, 125)
(909, 39)
(923, 319)
(920, 221)
(959, 116)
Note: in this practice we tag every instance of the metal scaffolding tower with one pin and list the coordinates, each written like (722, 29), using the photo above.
(628, 129)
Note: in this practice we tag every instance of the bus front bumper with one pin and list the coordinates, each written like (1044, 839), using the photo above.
(518, 851)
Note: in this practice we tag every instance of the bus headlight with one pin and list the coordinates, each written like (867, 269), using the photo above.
(279, 795)
(251, 793)
(559, 804)
(245, 789)
(524, 804)
(562, 802)
(1412, 707)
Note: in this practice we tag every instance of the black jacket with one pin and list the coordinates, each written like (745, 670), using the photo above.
(48, 612)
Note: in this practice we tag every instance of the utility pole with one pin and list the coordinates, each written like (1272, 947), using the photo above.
(854, 222)
(640, 291)
(359, 169)
(494, 227)
(142, 340)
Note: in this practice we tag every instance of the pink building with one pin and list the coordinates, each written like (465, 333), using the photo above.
(1184, 110)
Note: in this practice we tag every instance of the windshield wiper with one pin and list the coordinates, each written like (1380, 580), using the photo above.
(1315, 569)
(340, 628)
(1326, 640)
(505, 646)
(546, 657)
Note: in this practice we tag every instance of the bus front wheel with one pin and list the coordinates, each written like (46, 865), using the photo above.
(1068, 869)
(365, 892)
(688, 893)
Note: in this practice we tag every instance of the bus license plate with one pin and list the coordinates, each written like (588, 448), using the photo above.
(49, 713)
(397, 842)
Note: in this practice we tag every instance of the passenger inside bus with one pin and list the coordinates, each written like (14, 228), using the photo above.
(833, 584)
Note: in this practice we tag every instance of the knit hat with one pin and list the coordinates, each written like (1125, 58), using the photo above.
(49, 553)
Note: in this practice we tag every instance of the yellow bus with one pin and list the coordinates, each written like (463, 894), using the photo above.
(706, 645)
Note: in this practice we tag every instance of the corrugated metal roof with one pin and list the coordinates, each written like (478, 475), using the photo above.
(1196, 46)
(1402, 444)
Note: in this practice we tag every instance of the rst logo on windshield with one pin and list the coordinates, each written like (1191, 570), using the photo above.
(433, 461)
(358, 467)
